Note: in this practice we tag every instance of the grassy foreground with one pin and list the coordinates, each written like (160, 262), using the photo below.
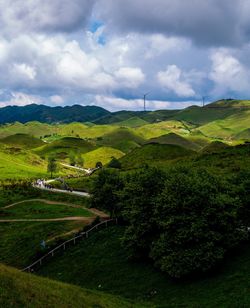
(24, 290)
(101, 263)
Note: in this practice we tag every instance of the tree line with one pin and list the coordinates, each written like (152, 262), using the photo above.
(185, 221)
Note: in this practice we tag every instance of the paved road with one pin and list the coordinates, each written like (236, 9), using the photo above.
(55, 190)
(89, 171)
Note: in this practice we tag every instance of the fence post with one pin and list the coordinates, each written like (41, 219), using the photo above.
(87, 234)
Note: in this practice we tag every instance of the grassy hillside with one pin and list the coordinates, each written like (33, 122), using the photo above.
(123, 139)
(132, 122)
(153, 154)
(26, 290)
(16, 163)
(23, 141)
(175, 139)
(63, 147)
(103, 155)
(215, 146)
(162, 128)
(102, 261)
(36, 129)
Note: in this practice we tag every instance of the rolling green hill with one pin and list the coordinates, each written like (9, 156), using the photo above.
(214, 147)
(175, 139)
(23, 141)
(62, 147)
(103, 155)
(27, 290)
(132, 122)
(123, 139)
(16, 164)
(153, 154)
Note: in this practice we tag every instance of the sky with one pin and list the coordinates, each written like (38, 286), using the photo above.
(111, 52)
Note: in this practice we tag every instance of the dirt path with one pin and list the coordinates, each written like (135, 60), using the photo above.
(43, 201)
(85, 219)
(92, 210)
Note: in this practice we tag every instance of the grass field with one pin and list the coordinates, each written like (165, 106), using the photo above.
(25, 290)
(101, 263)
(42, 210)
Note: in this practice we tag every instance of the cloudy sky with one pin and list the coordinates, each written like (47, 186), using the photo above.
(110, 52)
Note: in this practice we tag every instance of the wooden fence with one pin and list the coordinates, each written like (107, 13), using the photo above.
(67, 244)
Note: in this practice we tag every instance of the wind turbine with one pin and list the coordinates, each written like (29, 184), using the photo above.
(203, 100)
(144, 99)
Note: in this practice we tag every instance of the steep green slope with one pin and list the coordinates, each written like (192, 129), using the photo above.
(17, 164)
(175, 139)
(123, 139)
(23, 141)
(215, 146)
(103, 155)
(26, 290)
(153, 154)
(102, 260)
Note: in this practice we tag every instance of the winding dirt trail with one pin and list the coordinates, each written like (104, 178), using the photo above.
(86, 220)
(83, 219)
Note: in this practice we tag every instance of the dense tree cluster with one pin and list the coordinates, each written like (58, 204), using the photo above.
(184, 220)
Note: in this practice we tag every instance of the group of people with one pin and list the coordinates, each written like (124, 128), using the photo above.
(42, 184)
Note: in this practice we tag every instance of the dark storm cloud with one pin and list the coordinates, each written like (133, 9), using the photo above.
(43, 15)
(205, 22)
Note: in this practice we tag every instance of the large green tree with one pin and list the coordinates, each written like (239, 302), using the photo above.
(139, 199)
(105, 192)
(52, 165)
(185, 221)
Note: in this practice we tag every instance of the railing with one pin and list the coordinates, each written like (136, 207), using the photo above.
(66, 244)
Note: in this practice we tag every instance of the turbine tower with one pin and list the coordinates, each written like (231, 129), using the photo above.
(144, 99)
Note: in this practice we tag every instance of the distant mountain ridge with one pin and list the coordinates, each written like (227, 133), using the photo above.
(194, 114)
(46, 114)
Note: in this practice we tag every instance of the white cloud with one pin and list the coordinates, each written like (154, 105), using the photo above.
(57, 99)
(25, 71)
(21, 99)
(114, 104)
(160, 44)
(228, 73)
(130, 77)
(173, 79)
